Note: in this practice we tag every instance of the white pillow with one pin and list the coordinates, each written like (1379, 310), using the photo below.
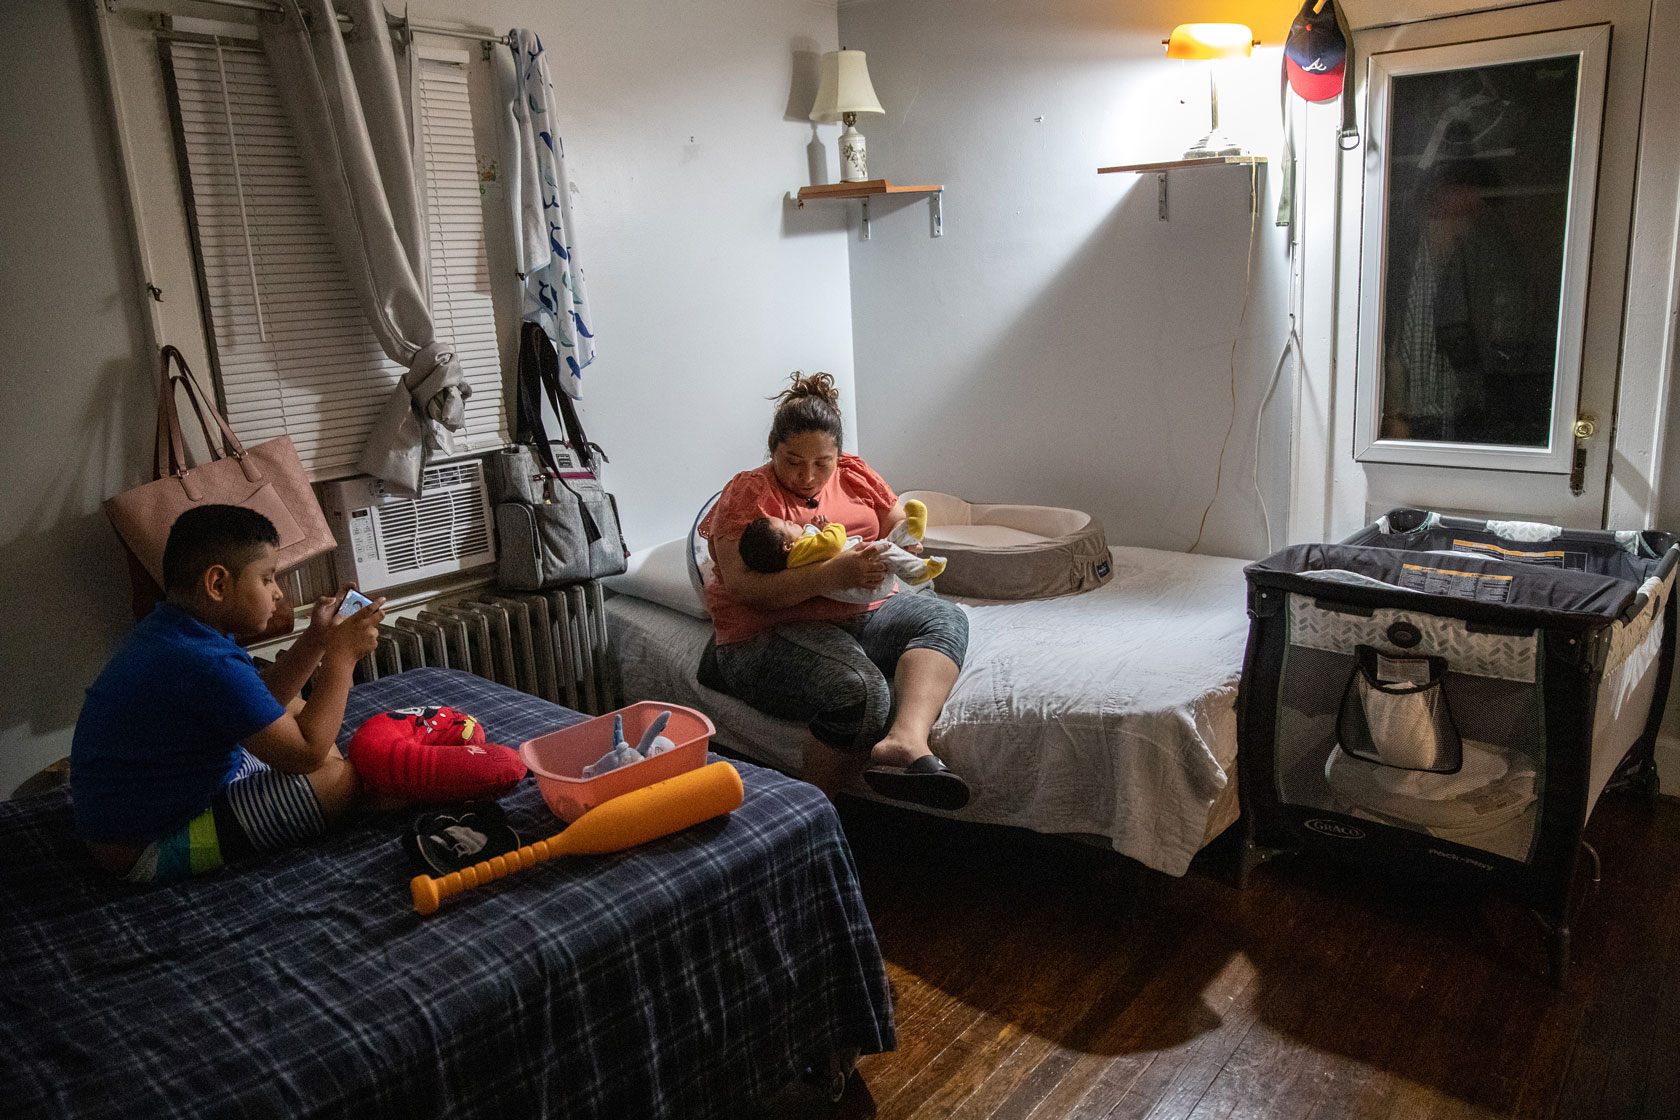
(660, 575)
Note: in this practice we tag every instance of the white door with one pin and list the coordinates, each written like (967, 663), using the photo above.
(1486, 222)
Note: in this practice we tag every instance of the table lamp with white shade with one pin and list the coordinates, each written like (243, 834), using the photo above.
(1211, 42)
(843, 91)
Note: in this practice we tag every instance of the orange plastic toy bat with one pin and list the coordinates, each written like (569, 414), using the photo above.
(625, 821)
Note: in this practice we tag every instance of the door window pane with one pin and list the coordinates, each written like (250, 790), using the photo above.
(1477, 199)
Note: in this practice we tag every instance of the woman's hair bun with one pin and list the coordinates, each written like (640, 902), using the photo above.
(810, 403)
(819, 385)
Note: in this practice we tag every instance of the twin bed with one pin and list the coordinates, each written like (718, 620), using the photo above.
(691, 977)
(1108, 715)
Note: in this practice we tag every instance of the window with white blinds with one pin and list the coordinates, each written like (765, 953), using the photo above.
(461, 309)
(292, 350)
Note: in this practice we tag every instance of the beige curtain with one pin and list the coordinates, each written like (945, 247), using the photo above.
(343, 96)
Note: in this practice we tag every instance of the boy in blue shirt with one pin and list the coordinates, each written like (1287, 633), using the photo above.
(183, 755)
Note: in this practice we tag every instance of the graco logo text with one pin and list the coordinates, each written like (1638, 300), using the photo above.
(1337, 829)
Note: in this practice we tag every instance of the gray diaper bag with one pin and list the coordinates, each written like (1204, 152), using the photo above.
(550, 530)
(555, 522)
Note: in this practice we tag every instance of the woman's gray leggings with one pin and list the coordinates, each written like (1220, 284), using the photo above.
(837, 675)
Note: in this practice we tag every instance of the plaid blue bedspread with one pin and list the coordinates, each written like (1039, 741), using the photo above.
(684, 978)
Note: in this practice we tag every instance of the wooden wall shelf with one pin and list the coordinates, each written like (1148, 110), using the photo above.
(868, 189)
(1176, 164)
(1160, 169)
(860, 190)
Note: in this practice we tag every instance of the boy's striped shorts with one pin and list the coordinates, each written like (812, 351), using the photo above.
(259, 810)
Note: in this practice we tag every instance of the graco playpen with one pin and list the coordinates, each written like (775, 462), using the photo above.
(1448, 698)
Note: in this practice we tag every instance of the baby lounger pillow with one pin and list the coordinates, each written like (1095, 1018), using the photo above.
(1012, 551)
(432, 754)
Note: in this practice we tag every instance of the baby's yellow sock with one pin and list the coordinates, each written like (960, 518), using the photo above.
(935, 565)
(915, 518)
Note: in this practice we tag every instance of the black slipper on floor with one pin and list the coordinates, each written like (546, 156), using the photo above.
(927, 781)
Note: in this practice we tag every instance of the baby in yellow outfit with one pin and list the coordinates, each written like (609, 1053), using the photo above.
(770, 539)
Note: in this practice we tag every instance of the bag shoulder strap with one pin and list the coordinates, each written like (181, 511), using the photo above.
(528, 424)
(169, 451)
(204, 406)
(539, 373)
(220, 443)
(574, 427)
(1350, 127)
(539, 377)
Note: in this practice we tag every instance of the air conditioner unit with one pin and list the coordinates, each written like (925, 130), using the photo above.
(384, 540)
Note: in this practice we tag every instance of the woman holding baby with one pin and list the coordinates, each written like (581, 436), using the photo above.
(869, 679)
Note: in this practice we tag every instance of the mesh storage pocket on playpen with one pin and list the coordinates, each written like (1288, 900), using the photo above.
(1412, 720)
(1395, 712)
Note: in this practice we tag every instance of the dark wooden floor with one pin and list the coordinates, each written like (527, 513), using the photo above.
(1039, 980)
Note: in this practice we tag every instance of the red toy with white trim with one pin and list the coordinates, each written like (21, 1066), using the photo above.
(432, 754)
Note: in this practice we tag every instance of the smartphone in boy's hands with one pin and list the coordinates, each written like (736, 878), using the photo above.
(353, 601)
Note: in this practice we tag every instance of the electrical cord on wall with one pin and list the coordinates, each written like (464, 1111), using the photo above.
(1294, 340)
(1248, 287)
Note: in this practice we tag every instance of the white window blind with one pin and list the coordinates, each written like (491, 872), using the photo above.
(294, 354)
(460, 266)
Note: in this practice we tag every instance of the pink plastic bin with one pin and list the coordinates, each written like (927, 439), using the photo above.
(558, 758)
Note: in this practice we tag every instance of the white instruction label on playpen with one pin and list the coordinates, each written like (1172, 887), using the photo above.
(1485, 587)
(1549, 558)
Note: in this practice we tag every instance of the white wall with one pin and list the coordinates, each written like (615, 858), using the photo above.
(1648, 409)
(1060, 344)
(78, 402)
(705, 294)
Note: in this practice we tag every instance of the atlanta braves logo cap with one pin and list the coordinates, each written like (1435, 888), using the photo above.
(1315, 54)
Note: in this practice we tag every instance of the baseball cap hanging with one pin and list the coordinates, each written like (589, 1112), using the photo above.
(1315, 54)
